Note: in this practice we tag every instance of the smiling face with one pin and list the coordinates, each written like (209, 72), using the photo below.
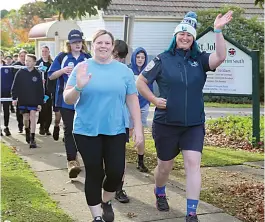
(140, 59)
(103, 47)
(184, 40)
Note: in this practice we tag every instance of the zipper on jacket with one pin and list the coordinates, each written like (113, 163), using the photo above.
(186, 94)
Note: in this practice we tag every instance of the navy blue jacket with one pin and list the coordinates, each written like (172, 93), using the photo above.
(180, 79)
(7, 78)
(142, 101)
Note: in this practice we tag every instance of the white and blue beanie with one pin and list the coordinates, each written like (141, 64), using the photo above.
(188, 24)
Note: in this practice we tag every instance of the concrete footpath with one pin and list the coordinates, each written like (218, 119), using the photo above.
(49, 164)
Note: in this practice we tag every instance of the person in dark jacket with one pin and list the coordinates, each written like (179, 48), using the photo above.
(138, 63)
(7, 78)
(9, 61)
(21, 62)
(45, 115)
(27, 91)
(179, 118)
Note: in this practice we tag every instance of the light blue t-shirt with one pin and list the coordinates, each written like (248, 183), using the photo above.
(101, 108)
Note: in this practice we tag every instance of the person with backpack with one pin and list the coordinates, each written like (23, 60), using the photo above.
(60, 70)
(45, 115)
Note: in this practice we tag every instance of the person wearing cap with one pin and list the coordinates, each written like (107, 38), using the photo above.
(100, 87)
(61, 68)
(178, 124)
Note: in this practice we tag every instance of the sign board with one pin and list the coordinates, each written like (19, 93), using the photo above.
(234, 75)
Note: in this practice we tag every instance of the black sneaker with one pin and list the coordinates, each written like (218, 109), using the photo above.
(192, 218)
(12, 110)
(98, 219)
(42, 131)
(122, 197)
(20, 130)
(1, 133)
(7, 132)
(161, 202)
(48, 133)
(32, 144)
(108, 214)
(27, 135)
(56, 131)
(142, 168)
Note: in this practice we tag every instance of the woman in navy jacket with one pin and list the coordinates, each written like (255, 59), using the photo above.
(178, 125)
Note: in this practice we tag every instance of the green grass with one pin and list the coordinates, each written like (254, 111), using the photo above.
(23, 197)
(226, 105)
(212, 156)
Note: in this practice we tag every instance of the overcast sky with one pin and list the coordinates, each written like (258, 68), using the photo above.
(13, 4)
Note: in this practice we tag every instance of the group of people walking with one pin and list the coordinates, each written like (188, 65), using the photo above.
(103, 103)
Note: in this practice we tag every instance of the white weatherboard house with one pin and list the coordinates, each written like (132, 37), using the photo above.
(154, 20)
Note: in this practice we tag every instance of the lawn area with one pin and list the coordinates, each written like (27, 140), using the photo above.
(23, 197)
(212, 156)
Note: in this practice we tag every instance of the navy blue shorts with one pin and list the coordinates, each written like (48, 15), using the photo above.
(27, 109)
(170, 140)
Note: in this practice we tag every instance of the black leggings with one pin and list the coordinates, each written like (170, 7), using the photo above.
(6, 106)
(95, 150)
(70, 146)
(45, 115)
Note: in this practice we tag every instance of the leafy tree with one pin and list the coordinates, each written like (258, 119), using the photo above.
(30, 47)
(4, 12)
(247, 32)
(6, 41)
(77, 8)
(32, 10)
(260, 3)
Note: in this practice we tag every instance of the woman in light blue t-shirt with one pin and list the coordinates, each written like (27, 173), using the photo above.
(99, 87)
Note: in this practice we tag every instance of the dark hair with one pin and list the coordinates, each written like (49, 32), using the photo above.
(32, 56)
(120, 49)
(141, 51)
(8, 56)
(15, 55)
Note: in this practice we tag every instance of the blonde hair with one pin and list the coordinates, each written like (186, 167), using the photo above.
(83, 49)
(102, 32)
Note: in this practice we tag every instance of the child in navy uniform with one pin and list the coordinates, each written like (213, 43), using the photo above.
(28, 91)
